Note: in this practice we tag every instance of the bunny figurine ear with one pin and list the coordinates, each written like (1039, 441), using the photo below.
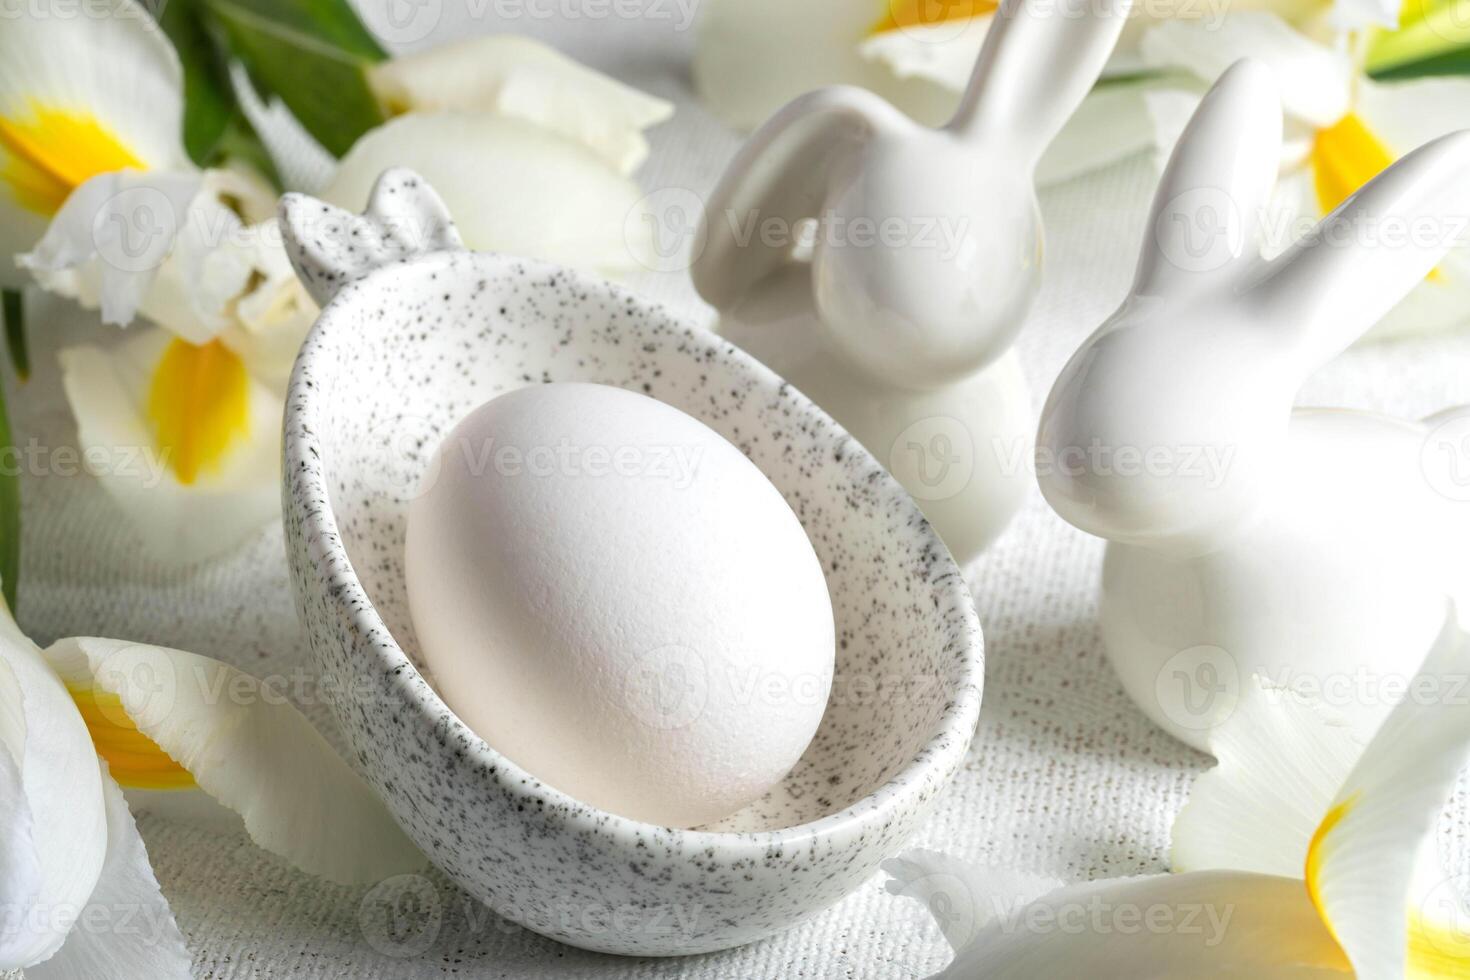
(1207, 211)
(1040, 60)
(330, 248)
(782, 174)
(1379, 244)
(1335, 283)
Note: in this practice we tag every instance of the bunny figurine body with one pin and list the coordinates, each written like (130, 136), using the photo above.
(1311, 547)
(885, 268)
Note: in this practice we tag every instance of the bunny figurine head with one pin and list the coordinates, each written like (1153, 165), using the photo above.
(927, 248)
(1249, 538)
(1207, 353)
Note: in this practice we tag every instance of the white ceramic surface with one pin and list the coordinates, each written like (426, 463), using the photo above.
(1311, 546)
(414, 333)
(925, 257)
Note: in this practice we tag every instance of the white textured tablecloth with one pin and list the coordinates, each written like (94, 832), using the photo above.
(1065, 776)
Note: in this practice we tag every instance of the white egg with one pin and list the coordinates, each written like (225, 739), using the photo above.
(617, 600)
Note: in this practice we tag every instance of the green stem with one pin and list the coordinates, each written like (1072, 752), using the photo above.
(15, 333)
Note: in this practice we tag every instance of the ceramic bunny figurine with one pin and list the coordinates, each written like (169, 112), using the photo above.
(924, 259)
(1312, 547)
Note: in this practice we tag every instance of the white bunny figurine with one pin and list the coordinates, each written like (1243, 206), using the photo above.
(1311, 547)
(924, 258)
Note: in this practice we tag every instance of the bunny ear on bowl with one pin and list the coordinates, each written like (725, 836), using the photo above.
(330, 248)
(782, 173)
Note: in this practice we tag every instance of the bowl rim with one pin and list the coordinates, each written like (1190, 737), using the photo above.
(944, 750)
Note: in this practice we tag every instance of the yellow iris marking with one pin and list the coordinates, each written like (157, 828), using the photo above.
(1433, 950)
(1436, 950)
(1345, 156)
(52, 151)
(199, 406)
(135, 760)
(1317, 853)
(901, 14)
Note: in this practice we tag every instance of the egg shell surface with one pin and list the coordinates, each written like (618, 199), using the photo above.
(617, 600)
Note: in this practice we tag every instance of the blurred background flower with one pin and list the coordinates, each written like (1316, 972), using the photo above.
(135, 184)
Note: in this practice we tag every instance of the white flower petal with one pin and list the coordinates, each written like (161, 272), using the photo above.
(20, 868)
(108, 242)
(1360, 15)
(524, 79)
(273, 316)
(942, 53)
(1203, 924)
(280, 292)
(12, 717)
(210, 267)
(1362, 861)
(63, 788)
(1408, 114)
(170, 248)
(84, 89)
(126, 929)
(1316, 81)
(511, 187)
(753, 56)
(251, 750)
(108, 391)
(948, 888)
(1440, 303)
(1281, 761)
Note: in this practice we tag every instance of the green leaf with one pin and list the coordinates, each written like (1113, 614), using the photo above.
(1451, 63)
(1433, 40)
(9, 510)
(15, 333)
(215, 127)
(209, 100)
(330, 22)
(1129, 78)
(313, 55)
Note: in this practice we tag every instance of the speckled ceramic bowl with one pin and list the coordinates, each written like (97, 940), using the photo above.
(416, 332)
